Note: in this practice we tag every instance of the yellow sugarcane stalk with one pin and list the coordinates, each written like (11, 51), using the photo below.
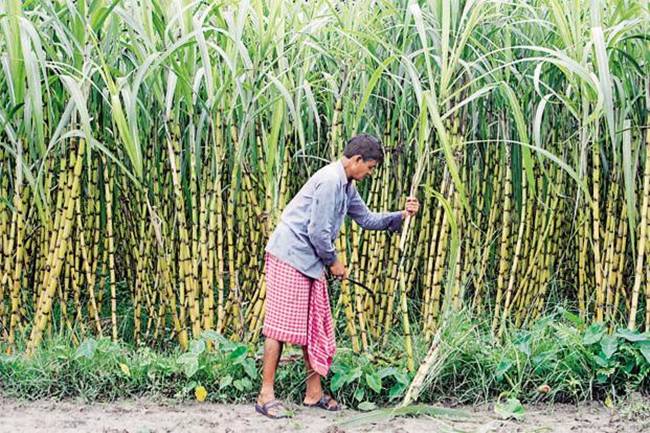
(505, 235)
(44, 307)
(643, 236)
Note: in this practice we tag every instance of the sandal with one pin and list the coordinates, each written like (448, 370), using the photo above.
(264, 409)
(324, 403)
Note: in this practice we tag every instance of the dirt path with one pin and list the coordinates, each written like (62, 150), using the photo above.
(147, 417)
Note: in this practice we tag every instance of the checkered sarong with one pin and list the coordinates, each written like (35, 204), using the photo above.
(298, 312)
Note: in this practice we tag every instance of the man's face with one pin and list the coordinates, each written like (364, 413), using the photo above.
(363, 168)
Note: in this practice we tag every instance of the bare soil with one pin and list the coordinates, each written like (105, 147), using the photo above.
(145, 416)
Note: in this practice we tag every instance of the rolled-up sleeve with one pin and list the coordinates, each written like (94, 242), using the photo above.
(320, 227)
(359, 212)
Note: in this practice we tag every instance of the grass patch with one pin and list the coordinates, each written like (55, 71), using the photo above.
(557, 359)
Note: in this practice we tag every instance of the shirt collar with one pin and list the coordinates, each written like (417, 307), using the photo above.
(341, 171)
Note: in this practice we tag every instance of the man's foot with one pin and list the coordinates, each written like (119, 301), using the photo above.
(324, 402)
(273, 409)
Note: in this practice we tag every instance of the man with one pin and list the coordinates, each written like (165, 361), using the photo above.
(297, 254)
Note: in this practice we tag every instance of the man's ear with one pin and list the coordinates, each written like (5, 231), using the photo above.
(357, 158)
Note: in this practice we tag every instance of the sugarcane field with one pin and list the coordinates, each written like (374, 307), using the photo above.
(324, 215)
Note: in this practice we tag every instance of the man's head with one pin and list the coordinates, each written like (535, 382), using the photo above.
(363, 153)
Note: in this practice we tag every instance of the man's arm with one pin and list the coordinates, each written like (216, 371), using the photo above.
(319, 229)
(359, 212)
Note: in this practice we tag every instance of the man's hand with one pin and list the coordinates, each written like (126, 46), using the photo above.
(412, 207)
(338, 270)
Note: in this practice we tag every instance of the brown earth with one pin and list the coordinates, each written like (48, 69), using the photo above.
(145, 416)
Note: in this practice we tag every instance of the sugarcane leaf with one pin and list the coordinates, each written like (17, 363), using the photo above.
(443, 136)
(605, 81)
(522, 131)
(99, 15)
(374, 79)
(80, 103)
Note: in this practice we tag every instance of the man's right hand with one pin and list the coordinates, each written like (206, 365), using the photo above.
(338, 270)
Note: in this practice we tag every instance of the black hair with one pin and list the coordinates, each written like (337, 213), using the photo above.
(365, 145)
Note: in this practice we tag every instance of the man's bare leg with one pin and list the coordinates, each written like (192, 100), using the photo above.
(314, 388)
(272, 352)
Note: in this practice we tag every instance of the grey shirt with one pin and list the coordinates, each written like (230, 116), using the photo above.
(309, 225)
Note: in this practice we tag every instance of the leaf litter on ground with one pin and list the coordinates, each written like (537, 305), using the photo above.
(387, 414)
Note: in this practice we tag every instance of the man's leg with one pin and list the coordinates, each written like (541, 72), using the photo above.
(314, 389)
(272, 352)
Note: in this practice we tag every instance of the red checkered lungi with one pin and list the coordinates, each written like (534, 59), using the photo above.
(298, 312)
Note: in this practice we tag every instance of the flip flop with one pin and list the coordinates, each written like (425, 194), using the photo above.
(324, 403)
(264, 409)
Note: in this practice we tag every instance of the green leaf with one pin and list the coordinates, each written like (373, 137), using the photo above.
(190, 363)
(338, 380)
(609, 344)
(212, 335)
(396, 390)
(502, 369)
(238, 355)
(191, 367)
(593, 334)
(601, 378)
(367, 406)
(512, 408)
(374, 382)
(644, 348)
(243, 384)
(190, 387)
(601, 361)
(99, 16)
(387, 371)
(353, 375)
(522, 131)
(225, 382)
(359, 394)
(523, 344)
(250, 368)
(402, 378)
(573, 318)
(86, 349)
(631, 335)
(368, 90)
(197, 347)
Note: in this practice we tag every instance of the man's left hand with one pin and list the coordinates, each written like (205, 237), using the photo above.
(412, 207)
